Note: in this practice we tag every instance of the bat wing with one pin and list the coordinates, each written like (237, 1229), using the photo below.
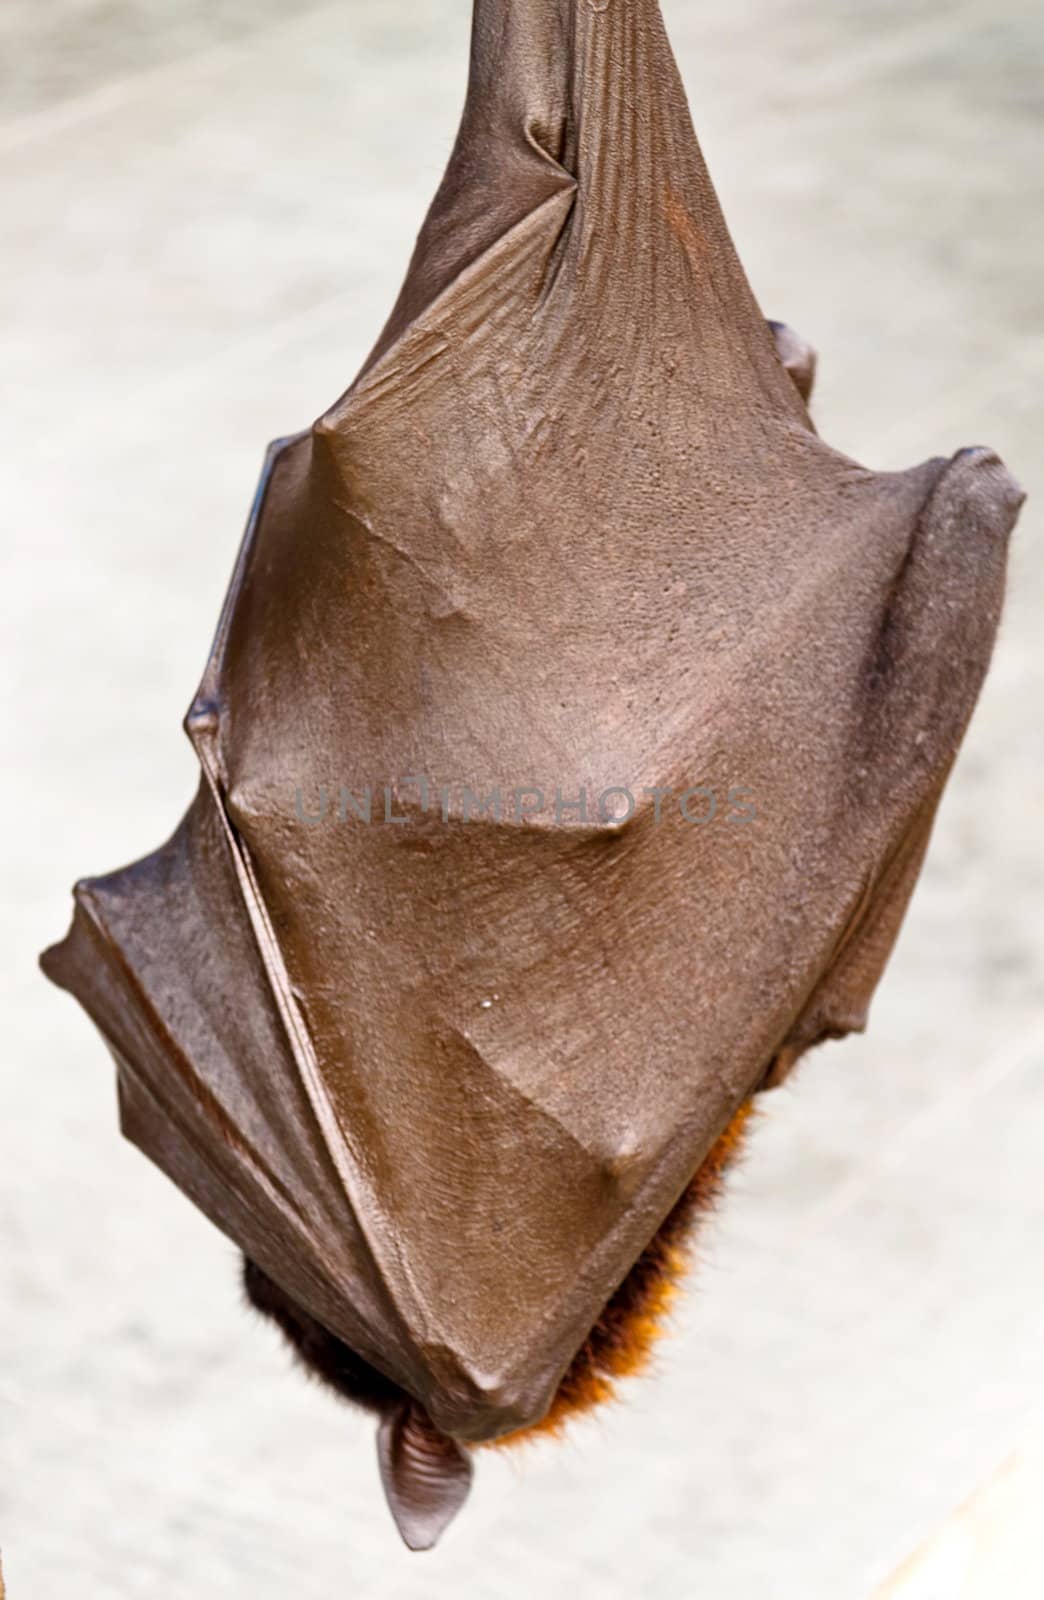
(440, 1058)
(163, 957)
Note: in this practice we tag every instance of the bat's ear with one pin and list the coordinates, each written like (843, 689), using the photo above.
(426, 1476)
(797, 356)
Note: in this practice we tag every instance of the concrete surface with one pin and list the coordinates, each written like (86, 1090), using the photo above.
(204, 215)
(990, 1547)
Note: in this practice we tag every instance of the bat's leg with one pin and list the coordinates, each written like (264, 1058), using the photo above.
(797, 356)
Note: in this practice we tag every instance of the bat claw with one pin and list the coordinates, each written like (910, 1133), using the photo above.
(797, 356)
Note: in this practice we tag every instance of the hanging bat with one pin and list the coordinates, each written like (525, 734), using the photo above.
(569, 744)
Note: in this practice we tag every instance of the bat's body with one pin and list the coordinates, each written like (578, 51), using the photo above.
(439, 1058)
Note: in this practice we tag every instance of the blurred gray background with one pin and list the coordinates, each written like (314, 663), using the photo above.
(206, 207)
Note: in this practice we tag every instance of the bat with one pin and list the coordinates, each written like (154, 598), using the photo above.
(569, 748)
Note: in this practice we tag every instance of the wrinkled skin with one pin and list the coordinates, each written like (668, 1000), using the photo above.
(571, 528)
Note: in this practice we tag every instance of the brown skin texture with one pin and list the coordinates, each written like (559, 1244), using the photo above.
(619, 1345)
(442, 1075)
(427, 1476)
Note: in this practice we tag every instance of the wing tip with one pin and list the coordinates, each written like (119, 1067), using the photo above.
(983, 475)
(61, 962)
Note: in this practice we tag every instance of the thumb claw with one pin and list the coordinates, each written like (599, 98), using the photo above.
(797, 356)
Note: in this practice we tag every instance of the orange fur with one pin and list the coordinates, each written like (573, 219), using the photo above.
(621, 1343)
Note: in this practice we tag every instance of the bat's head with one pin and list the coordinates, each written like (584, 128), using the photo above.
(426, 1474)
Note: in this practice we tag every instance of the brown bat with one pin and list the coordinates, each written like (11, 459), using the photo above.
(570, 745)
